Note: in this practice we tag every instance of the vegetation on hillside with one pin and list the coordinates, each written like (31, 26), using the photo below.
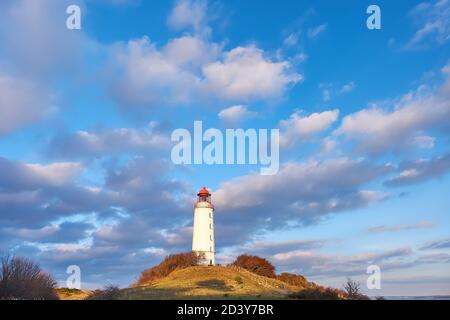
(22, 279)
(318, 293)
(171, 280)
(72, 293)
(109, 293)
(168, 265)
(294, 279)
(256, 265)
(205, 282)
(353, 290)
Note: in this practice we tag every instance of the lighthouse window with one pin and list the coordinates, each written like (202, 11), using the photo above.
(210, 226)
(210, 215)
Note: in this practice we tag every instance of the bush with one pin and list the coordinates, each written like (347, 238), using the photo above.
(168, 265)
(256, 265)
(23, 279)
(317, 293)
(293, 279)
(109, 293)
(238, 279)
(353, 290)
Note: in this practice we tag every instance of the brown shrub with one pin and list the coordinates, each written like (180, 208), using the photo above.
(168, 265)
(23, 279)
(317, 293)
(109, 293)
(353, 290)
(293, 279)
(256, 265)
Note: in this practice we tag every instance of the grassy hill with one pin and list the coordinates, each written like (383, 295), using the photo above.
(72, 294)
(211, 283)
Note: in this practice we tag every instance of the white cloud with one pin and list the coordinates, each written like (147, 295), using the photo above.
(291, 40)
(245, 73)
(402, 227)
(55, 174)
(346, 88)
(326, 95)
(314, 32)
(382, 130)
(433, 19)
(297, 128)
(189, 14)
(110, 142)
(318, 264)
(420, 170)
(36, 48)
(300, 57)
(191, 51)
(301, 192)
(35, 40)
(330, 90)
(189, 68)
(144, 76)
(235, 114)
(22, 102)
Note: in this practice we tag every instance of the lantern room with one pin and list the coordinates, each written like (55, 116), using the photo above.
(204, 195)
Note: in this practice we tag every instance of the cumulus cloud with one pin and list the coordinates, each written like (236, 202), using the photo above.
(32, 196)
(35, 48)
(190, 68)
(300, 193)
(29, 176)
(108, 142)
(115, 221)
(235, 114)
(190, 14)
(40, 45)
(378, 130)
(22, 102)
(142, 76)
(245, 73)
(299, 128)
(35, 194)
(66, 232)
(191, 52)
(319, 264)
(420, 170)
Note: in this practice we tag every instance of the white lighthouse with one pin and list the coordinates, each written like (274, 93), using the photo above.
(203, 235)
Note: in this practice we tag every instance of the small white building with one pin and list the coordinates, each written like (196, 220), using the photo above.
(203, 235)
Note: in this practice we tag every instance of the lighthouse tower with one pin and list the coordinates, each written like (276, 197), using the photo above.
(203, 235)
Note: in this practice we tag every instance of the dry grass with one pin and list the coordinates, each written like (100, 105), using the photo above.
(203, 282)
(167, 266)
(72, 294)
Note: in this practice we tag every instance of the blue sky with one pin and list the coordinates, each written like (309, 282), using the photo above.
(86, 117)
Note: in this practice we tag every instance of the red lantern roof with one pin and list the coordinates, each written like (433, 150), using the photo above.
(204, 192)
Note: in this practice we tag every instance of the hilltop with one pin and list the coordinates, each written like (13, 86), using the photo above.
(72, 294)
(179, 276)
(204, 282)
